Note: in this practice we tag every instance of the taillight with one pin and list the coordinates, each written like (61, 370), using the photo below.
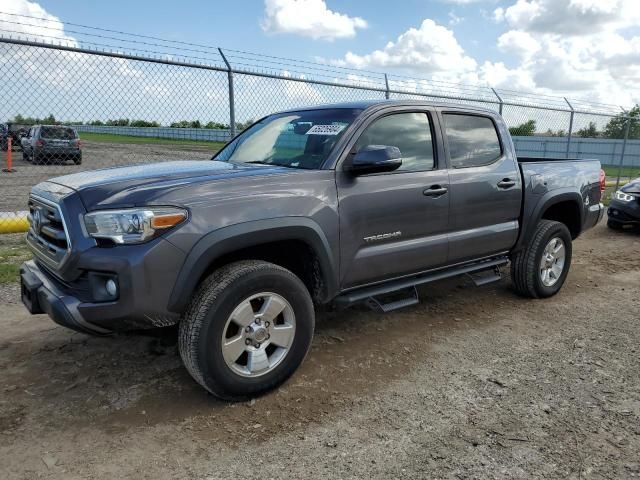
(78, 144)
(40, 143)
(603, 181)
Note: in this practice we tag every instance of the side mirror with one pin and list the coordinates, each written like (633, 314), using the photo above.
(374, 159)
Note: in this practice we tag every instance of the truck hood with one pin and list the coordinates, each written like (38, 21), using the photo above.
(632, 187)
(138, 184)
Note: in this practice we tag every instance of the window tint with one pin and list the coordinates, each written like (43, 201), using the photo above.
(473, 140)
(409, 132)
(58, 133)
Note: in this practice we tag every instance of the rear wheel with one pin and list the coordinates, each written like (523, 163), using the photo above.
(247, 329)
(541, 269)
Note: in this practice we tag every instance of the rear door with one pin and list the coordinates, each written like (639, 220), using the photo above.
(390, 224)
(485, 186)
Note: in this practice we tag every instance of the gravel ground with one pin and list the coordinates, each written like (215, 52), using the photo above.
(15, 186)
(471, 383)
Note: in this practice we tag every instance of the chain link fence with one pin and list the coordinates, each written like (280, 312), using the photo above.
(67, 108)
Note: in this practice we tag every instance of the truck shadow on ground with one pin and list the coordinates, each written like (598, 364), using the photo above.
(56, 377)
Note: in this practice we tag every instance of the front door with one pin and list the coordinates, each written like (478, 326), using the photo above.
(394, 223)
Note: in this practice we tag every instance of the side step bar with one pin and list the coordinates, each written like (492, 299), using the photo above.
(378, 303)
(370, 294)
(480, 278)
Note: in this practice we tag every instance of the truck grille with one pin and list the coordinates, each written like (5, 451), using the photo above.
(47, 232)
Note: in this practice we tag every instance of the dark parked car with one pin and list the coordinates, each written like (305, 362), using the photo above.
(15, 131)
(51, 144)
(341, 204)
(624, 209)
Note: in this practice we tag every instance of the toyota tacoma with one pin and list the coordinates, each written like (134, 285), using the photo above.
(340, 204)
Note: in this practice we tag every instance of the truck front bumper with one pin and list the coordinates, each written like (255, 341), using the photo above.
(41, 295)
(144, 276)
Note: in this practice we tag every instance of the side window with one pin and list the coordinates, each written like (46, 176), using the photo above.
(473, 140)
(410, 132)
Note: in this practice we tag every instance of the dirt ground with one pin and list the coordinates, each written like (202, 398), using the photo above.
(471, 383)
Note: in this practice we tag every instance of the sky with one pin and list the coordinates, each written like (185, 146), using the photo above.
(583, 49)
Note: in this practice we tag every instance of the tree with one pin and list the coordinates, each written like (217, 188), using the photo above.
(143, 123)
(525, 129)
(590, 131)
(121, 122)
(617, 125)
(555, 133)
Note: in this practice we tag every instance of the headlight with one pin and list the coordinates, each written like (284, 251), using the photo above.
(134, 225)
(623, 197)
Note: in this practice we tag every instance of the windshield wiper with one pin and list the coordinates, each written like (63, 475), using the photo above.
(275, 164)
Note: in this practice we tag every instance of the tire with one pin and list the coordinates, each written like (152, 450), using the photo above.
(208, 320)
(526, 269)
(77, 160)
(613, 225)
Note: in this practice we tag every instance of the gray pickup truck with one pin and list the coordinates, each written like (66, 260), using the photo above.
(340, 204)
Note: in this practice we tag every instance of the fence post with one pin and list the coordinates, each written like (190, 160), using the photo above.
(499, 100)
(570, 127)
(232, 102)
(387, 94)
(624, 147)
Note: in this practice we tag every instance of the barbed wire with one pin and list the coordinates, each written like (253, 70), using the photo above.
(305, 69)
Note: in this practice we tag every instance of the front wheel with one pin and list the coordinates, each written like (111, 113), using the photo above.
(539, 270)
(247, 329)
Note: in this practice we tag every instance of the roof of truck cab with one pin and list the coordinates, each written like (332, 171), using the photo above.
(364, 104)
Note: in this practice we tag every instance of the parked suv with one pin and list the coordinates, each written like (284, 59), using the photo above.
(51, 144)
(340, 204)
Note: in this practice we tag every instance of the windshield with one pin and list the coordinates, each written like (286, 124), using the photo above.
(296, 139)
(58, 133)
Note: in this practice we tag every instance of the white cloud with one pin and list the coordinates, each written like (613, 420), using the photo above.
(569, 17)
(20, 26)
(309, 18)
(519, 43)
(429, 49)
(575, 48)
(454, 19)
(466, 2)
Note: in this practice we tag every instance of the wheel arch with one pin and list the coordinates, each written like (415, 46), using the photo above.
(296, 243)
(563, 206)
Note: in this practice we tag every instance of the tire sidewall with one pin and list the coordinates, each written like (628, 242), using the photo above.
(559, 230)
(209, 350)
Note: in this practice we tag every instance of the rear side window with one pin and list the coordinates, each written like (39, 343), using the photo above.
(473, 140)
(410, 132)
(58, 133)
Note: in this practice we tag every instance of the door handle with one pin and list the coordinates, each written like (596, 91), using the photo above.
(435, 191)
(506, 183)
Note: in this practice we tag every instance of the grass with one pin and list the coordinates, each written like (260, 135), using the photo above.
(13, 251)
(626, 172)
(111, 138)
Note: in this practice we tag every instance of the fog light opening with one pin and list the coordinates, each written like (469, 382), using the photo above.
(111, 288)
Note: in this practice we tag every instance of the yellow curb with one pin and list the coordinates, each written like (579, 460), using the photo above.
(14, 224)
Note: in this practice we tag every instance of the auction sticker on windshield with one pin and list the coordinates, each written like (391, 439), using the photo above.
(325, 129)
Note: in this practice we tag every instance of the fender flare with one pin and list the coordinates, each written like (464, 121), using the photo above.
(546, 201)
(236, 237)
